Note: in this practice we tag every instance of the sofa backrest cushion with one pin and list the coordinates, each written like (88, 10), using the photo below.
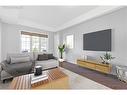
(19, 59)
(15, 57)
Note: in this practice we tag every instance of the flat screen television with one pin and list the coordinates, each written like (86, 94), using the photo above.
(97, 41)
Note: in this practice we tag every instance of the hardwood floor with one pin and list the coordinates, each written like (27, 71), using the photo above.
(56, 80)
(110, 81)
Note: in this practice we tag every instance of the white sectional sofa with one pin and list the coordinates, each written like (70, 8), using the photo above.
(50, 63)
(45, 63)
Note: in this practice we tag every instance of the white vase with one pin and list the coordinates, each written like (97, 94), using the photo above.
(107, 61)
(85, 57)
(61, 60)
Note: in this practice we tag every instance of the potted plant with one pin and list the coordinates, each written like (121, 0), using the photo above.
(107, 58)
(61, 50)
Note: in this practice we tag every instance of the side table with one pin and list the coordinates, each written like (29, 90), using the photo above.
(61, 62)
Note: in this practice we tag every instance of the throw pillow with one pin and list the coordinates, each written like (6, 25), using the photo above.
(50, 56)
(42, 57)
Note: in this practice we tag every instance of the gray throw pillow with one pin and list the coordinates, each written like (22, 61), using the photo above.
(50, 56)
(42, 57)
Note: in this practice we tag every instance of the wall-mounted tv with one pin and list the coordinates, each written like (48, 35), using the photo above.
(97, 41)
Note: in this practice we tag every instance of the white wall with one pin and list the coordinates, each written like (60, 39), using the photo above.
(117, 21)
(56, 44)
(11, 42)
(0, 40)
(57, 41)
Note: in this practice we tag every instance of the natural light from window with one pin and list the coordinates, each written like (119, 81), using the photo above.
(33, 43)
(69, 41)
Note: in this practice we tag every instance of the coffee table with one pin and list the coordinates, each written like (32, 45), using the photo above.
(56, 80)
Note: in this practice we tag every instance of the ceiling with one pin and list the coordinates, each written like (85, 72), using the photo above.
(51, 18)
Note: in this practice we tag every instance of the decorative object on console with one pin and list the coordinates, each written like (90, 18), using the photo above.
(85, 57)
(38, 70)
(61, 50)
(106, 58)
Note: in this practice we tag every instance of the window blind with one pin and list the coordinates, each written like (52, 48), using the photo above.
(34, 34)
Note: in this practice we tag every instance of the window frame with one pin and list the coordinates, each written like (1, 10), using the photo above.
(31, 40)
(72, 41)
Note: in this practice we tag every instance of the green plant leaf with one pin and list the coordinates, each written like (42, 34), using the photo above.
(108, 56)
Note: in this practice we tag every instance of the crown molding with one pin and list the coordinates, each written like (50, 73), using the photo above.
(15, 18)
(99, 11)
(35, 25)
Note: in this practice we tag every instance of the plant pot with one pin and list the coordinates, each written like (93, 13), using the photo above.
(107, 61)
(61, 60)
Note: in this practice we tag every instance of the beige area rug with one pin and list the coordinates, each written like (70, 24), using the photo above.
(75, 81)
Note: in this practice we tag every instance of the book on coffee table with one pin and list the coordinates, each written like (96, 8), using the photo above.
(35, 79)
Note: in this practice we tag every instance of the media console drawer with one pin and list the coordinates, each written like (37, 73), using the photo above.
(104, 68)
(90, 65)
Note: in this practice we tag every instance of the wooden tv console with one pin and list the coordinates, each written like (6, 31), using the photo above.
(104, 68)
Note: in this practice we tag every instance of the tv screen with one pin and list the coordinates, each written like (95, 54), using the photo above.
(97, 41)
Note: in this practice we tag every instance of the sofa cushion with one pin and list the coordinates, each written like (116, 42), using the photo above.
(18, 55)
(50, 56)
(42, 57)
(20, 68)
(47, 63)
(19, 59)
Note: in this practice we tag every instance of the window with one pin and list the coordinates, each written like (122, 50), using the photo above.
(69, 41)
(33, 42)
(44, 44)
(25, 43)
